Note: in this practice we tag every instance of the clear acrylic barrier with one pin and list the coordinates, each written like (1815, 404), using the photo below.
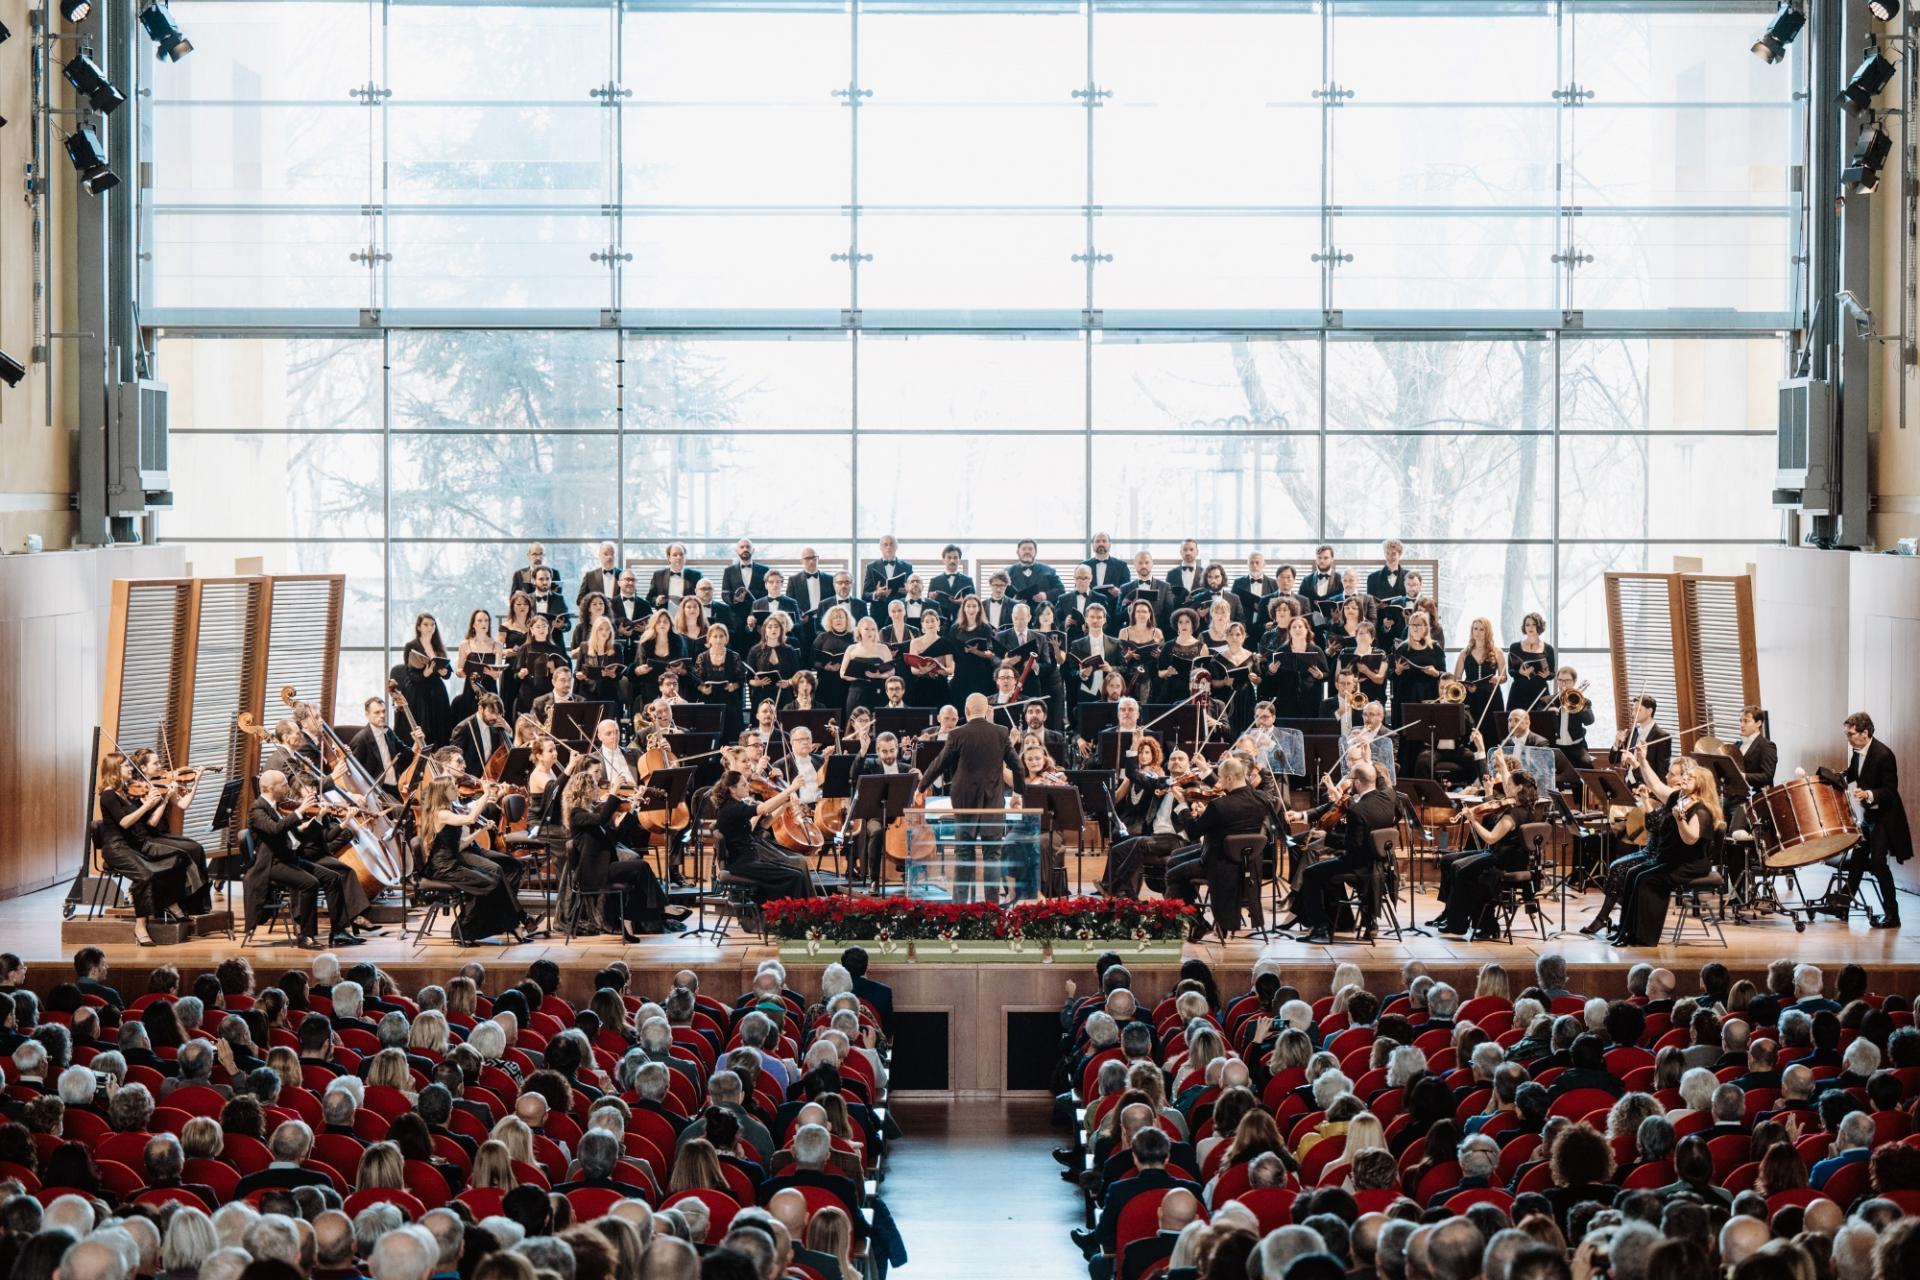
(972, 855)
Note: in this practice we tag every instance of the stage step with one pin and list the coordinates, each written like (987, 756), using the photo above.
(115, 928)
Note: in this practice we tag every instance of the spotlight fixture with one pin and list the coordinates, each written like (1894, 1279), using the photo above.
(90, 162)
(1883, 10)
(1786, 24)
(1870, 152)
(1872, 75)
(75, 10)
(172, 43)
(86, 77)
(11, 370)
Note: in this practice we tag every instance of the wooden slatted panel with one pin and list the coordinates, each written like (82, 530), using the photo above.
(1722, 658)
(147, 651)
(302, 641)
(225, 683)
(1644, 632)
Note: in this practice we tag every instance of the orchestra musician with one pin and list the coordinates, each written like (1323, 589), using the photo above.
(1470, 882)
(381, 752)
(1873, 778)
(1518, 735)
(886, 577)
(423, 672)
(1690, 849)
(293, 752)
(1531, 663)
(1147, 812)
(1570, 733)
(487, 908)
(1659, 828)
(1041, 769)
(1237, 810)
(868, 842)
(162, 870)
(1757, 757)
(561, 690)
(1643, 732)
(603, 579)
(1368, 807)
(476, 738)
(744, 853)
(271, 820)
(667, 585)
(597, 866)
(318, 843)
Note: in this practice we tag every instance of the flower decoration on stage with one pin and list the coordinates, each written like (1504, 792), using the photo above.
(819, 921)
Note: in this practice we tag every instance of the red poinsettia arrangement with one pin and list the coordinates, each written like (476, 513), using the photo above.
(1102, 919)
(838, 919)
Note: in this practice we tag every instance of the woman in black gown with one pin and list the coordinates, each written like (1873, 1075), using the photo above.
(743, 853)
(162, 870)
(1657, 850)
(864, 667)
(930, 689)
(718, 678)
(1369, 665)
(515, 626)
(531, 666)
(975, 653)
(1483, 668)
(1418, 664)
(1698, 826)
(1531, 662)
(424, 663)
(655, 649)
(1173, 669)
(1236, 678)
(488, 908)
(1300, 673)
(771, 662)
(597, 667)
(1471, 882)
(597, 864)
(836, 633)
(475, 662)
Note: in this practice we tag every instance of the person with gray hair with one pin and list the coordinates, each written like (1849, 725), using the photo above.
(600, 1152)
(196, 1059)
(1853, 1246)
(1405, 1063)
(1442, 1003)
(273, 1235)
(131, 1109)
(290, 1143)
(188, 1242)
(333, 1243)
(1281, 1246)
(349, 1005)
(1655, 1140)
(410, 1253)
(1479, 1157)
(92, 1259)
(547, 1253)
(1852, 1144)
(1550, 975)
(373, 1222)
(449, 1233)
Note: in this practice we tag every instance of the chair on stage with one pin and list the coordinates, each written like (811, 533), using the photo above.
(1518, 890)
(1690, 903)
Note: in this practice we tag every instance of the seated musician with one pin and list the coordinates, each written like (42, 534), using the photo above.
(318, 843)
(490, 812)
(488, 908)
(276, 861)
(1347, 706)
(1125, 731)
(1660, 833)
(1471, 881)
(1040, 769)
(477, 737)
(593, 815)
(1034, 724)
(868, 842)
(1239, 810)
(1148, 814)
(1518, 735)
(1369, 807)
(621, 775)
(747, 855)
(1698, 826)
(562, 691)
(162, 870)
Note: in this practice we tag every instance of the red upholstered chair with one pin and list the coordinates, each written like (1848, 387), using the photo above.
(197, 1100)
(120, 1179)
(371, 1125)
(173, 1195)
(427, 1184)
(1741, 1177)
(339, 1153)
(1233, 1180)
(1578, 1102)
(1538, 1178)
(1273, 1206)
(1847, 1183)
(1378, 1200)
(592, 1202)
(1465, 1200)
(1436, 1180)
(1729, 1151)
(1139, 1218)
(524, 1172)
(1514, 1154)
(720, 1209)
(1801, 1196)
(27, 1178)
(84, 1126)
(1659, 1173)
(128, 1148)
(484, 1201)
(222, 1177)
(409, 1207)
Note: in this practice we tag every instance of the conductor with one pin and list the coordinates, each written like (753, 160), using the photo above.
(981, 761)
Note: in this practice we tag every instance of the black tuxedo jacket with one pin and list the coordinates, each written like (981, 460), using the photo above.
(1879, 773)
(1185, 579)
(367, 752)
(751, 577)
(1111, 572)
(658, 584)
(974, 754)
(797, 588)
(891, 574)
(953, 585)
(466, 736)
(1387, 584)
(1025, 581)
(604, 581)
(1659, 751)
(1760, 764)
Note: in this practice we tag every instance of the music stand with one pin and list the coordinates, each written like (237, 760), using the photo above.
(902, 722)
(700, 717)
(1610, 786)
(1092, 717)
(1059, 809)
(518, 768)
(1317, 726)
(1726, 772)
(814, 718)
(575, 722)
(1323, 755)
(926, 753)
(882, 798)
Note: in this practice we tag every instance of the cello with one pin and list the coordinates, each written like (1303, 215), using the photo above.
(659, 755)
(375, 856)
(794, 825)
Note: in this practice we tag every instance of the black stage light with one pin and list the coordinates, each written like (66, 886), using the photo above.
(87, 79)
(171, 43)
(1870, 152)
(90, 162)
(11, 370)
(1884, 10)
(1786, 24)
(75, 10)
(1872, 75)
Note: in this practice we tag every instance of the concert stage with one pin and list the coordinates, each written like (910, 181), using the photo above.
(978, 1007)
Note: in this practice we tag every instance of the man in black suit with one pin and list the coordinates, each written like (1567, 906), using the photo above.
(877, 994)
(812, 1148)
(1758, 758)
(886, 577)
(1658, 742)
(1389, 581)
(522, 579)
(275, 861)
(1239, 810)
(975, 754)
(1322, 588)
(843, 596)
(1103, 568)
(290, 1144)
(604, 578)
(949, 585)
(599, 1155)
(1254, 589)
(90, 975)
(1570, 727)
(1127, 730)
(810, 588)
(1184, 578)
(996, 607)
(1874, 775)
(1177, 1209)
(1370, 809)
(380, 751)
(1030, 578)
(1150, 1150)
(743, 580)
(551, 605)
(483, 732)
(667, 585)
(1518, 735)
(777, 600)
(629, 611)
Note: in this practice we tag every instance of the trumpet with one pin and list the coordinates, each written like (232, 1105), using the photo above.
(1453, 690)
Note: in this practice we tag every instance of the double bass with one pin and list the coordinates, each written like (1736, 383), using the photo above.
(376, 855)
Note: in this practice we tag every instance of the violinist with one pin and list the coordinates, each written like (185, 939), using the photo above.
(1531, 662)
(1148, 811)
(1660, 835)
(562, 691)
(423, 672)
(272, 820)
(1301, 671)
(318, 842)
(743, 852)
(655, 650)
(858, 738)
(162, 870)
(596, 663)
(550, 603)
(1570, 733)
(478, 662)
(1470, 881)
(1040, 769)
(488, 908)
(479, 735)
(667, 585)
(1126, 732)
(772, 663)
(719, 675)
(1418, 665)
(1237, 810)
(1482, 667)
(864, 665)
(1363, 805)
(596, 864)
(380, 750)
(485, 798)
(532, 665)
(1698, 827)
(1758, 757)
(546, 780)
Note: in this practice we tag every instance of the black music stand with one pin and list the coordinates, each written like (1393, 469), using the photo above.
(814, 718)
(1059, 809)
(1318, 726)
(1726, 772)
(1092, 717)
(700, 717)
(902, 722)
(1322, 755)
(883, 798)
(575, 722)
(1095, 798)
(926, 753)
(518, 768)
(1441, 725)
(1610, 786)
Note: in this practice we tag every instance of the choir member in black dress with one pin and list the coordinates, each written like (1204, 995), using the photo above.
(532, 666)
(974, 654)
(928, 687)
(1758, 758)
(772, 662)
(477, 662)
(1571, 724)
(1049, 678)
(162, 870)
(718, 677)
(597, 669)
(667, 585)
(1698, 825)
(271, 822)
(1236, 678)
(1473, 880)
(516, 627)
(885, 578)
(1483, 669)
(896, 630)
(1173, 666)
(1875, 775)
(1300, 671)
(743, 853)
(1370, 666)
(597, 865)
(1140, 641)
(836, 633)
(655, 650)
(1531, 663)
(690, 624)
(488, 909)
(550, 603)
(865, 665)
(1029, 578)
(1418, 665)
(423, 673)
